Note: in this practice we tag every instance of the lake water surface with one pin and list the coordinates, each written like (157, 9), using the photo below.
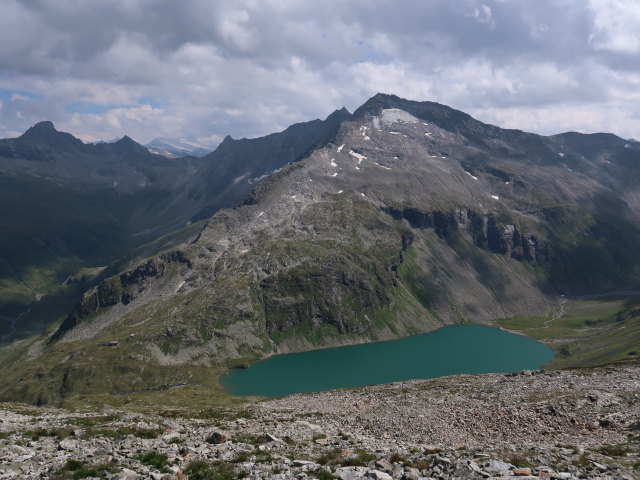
(448, 351)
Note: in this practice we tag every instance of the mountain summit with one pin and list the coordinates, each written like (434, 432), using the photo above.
(40, 130)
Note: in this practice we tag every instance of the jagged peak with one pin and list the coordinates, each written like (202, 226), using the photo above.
(40, 129)
(338, 115)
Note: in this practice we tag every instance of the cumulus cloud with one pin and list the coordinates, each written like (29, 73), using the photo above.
(207, 68)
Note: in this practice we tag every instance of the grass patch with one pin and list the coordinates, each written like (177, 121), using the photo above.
(59, 433)
(75, 469)
(154, 459)
(337, 457)
(200, 470)
(619, 450)
(147, 433)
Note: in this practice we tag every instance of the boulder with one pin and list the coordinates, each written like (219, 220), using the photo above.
(350, 473)
(217, 438)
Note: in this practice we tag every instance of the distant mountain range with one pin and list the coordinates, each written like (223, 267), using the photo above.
(398, 219)
(178, 147)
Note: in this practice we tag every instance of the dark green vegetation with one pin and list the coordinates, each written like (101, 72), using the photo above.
(448, 351)
(154, 459)
(407, 217)
(200, 470)
(75, 469)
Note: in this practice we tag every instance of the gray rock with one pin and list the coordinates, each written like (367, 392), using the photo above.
(350, 473)
(378, 475)
(383, 465)
(272, 438)
(498, 466)
(126, 474)
(68, 445)
(171, 437)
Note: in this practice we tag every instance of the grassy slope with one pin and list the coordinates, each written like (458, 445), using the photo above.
(591, 331)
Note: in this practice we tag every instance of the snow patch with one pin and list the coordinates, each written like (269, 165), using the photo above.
(334, 174)
(366, 137)
(506, 183)
(293, 196)
(179, 286)
(495, 197)
(392, 115)
(333, 162)
(244, 251)
(561, 154)
(358, 156)
(395, 158)
(472, 176)
(260, 214)
(428, 134)
(362, 194)
(395, 133)
(339, 191)
(340, 148)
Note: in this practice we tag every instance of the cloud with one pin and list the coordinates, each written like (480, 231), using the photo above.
(207, 68)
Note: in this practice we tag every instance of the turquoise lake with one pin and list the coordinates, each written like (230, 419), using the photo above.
(448, 351)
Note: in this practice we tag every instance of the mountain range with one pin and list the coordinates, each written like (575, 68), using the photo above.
(71, 209)
(394, 220)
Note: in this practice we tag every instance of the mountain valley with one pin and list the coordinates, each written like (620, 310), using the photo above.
(396, 220)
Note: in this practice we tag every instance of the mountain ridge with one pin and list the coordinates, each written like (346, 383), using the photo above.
(74, 208)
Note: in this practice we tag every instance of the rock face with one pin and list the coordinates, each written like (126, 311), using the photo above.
(407, 217)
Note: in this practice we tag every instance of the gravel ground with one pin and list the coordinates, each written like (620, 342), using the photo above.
(557, 425)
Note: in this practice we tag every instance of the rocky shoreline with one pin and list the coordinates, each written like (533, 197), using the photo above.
(553, 425)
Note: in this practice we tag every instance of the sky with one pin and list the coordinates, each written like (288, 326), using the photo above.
(100, 69)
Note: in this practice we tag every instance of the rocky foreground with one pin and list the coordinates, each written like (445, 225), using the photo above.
(553, 425)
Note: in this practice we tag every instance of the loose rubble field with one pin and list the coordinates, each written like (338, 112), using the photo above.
(553, 425)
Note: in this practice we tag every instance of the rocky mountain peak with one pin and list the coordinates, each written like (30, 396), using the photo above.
(44, 133)
(126, 144)
(40, 129)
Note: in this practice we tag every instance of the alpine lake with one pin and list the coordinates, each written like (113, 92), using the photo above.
(451, 350)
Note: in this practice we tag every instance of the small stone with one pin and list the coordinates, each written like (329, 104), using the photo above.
(383, 465)
(272, 438)
(521, 472)
(322, 441)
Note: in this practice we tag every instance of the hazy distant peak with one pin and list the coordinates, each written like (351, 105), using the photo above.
(178, 147)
